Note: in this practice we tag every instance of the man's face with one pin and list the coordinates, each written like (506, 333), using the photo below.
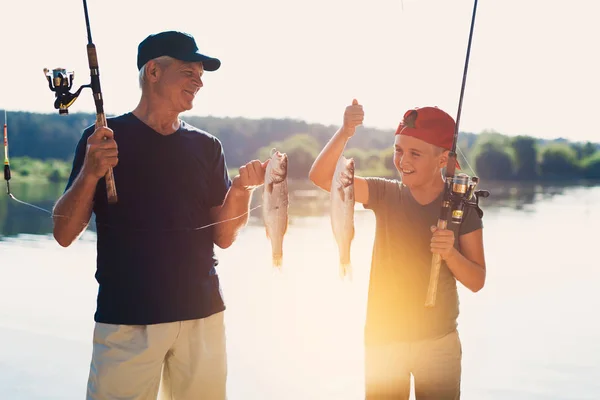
(178, 84)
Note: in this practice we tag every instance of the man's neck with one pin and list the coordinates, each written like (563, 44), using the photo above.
(157, 117)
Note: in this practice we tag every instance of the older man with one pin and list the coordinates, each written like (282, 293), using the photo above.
(159, 316)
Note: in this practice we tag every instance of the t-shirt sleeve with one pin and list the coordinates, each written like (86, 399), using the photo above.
(79, 157)
(471, 222)
(220, 180)
(379, 190)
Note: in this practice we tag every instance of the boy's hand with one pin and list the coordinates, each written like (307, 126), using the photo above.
(353, 116)
(442, 243)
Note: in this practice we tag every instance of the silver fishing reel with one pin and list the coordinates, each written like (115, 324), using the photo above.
(464, 195)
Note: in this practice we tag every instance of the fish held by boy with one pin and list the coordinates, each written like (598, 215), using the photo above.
(342, 212)
(275, 203)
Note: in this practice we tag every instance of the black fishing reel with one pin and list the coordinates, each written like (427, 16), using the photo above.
(464, 195)
(60, 82)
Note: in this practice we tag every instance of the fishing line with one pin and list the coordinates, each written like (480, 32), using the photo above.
(466, 160)
(7, 177)
(135, 229)
(27, 204)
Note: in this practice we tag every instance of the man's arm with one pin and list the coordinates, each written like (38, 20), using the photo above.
(73, 210)
(322, 170)
(467, 265)
(236, 206)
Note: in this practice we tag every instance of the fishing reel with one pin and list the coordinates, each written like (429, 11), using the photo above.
(60, 82)
(463, 194)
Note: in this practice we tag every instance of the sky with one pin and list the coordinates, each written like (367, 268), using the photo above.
(534, 67)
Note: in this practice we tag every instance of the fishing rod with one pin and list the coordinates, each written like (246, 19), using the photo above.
(6, 162)
(7, 174)
(459, 191)
(60, 82)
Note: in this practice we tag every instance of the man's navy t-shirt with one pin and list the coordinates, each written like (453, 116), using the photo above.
(155, 262)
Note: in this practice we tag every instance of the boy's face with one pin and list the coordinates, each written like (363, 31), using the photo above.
(417, 161)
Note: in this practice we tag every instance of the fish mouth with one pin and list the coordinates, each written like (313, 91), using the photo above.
(279, 171)
(279, 155)
(284, 162)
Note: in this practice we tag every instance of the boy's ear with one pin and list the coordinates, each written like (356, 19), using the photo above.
(444, 158)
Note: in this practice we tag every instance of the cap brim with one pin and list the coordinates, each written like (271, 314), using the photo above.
(208, 63)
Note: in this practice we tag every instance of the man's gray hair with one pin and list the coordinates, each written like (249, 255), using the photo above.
(163, 61)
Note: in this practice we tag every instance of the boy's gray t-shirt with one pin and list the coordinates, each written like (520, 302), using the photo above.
(401, 265)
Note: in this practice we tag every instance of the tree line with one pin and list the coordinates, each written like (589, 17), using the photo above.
(43, 145)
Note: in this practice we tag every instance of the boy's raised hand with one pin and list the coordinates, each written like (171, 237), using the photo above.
(353, 117)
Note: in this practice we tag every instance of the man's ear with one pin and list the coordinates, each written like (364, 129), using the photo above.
(153, 71)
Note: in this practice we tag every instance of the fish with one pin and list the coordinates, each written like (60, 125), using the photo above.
(275, 203)
(342, 212)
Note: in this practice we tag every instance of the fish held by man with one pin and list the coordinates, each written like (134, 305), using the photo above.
(342, 212)
(275, 203)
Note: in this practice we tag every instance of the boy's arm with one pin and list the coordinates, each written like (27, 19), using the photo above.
(467, 265)
(322, 170)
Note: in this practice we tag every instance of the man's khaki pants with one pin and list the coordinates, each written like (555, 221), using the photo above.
(176, 361)
(435, 365)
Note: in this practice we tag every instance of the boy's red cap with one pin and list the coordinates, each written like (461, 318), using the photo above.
(431, 125)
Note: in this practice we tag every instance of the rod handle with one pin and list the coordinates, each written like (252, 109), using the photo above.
(434, 277)
(111, 189)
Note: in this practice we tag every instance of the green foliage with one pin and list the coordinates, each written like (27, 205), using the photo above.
(586, 150)
(42, 148)
(31, 168)
(559, 161)
(525, 157)
(591, 166)
(493, 158)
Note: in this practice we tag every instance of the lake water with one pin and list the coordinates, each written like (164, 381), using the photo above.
(532, 333)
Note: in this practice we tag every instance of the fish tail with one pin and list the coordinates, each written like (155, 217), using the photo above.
(346, 271)
(345, 255)
(277, 260)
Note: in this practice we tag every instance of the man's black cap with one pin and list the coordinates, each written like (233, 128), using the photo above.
(179, 45)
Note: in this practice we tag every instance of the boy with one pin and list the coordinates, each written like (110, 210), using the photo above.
(402, 336)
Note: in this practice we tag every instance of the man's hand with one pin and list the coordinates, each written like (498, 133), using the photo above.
(101, 154)
(251, 176)
(442, 243)
(353, 117)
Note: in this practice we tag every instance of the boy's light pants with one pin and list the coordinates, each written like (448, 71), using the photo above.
(177, 360)
(435, 365)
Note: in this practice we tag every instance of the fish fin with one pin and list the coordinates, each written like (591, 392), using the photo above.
(342, 194)
(287, 221)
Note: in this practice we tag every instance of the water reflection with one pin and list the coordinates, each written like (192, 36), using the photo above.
(306, 200)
